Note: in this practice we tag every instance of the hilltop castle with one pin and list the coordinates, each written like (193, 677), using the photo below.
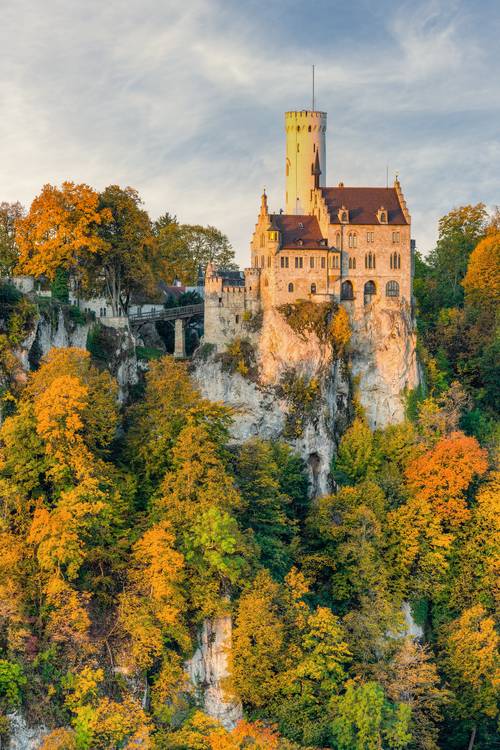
(346, 244)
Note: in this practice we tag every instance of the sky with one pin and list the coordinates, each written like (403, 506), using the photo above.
(185, 101)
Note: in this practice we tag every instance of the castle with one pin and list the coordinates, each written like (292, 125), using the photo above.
(351, 245)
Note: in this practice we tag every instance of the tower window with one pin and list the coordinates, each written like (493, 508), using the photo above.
(237, 319)
(262, 261)
(337, 239)
(370, 291)
(370, 237)
(290, 287)
(269, 261)
(395, 261)
(392, 289)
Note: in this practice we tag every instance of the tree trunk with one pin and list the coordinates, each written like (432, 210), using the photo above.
(472, 738)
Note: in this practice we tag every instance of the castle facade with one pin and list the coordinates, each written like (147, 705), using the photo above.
(351, 245)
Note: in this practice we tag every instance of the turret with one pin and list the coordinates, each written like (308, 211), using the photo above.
(305, 166)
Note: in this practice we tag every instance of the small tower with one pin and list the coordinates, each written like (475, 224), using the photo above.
(305, 158)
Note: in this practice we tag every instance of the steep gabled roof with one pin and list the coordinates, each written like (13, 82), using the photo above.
(363, 204)
(298, 231)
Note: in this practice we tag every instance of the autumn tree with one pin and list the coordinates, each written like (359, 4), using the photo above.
(471, 658)
(60, 230)
(356, 458)
(258, 643)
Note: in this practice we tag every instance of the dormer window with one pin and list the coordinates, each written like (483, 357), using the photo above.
(343, 215)
(324, 243)
(300, 225)
(300, 242)
(382, 215)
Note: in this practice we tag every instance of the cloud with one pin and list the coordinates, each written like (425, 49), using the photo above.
(185, 101)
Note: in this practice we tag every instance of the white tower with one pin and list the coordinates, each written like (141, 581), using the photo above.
(305, 158)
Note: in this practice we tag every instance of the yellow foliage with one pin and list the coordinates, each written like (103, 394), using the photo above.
(482, 280)
(59, 739)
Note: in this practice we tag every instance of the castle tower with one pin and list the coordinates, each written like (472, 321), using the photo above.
(305, 158)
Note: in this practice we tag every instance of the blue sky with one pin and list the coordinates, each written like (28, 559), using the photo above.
(185, 101)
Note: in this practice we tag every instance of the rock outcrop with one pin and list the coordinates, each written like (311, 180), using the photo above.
(208, 670)
(384, 360)
(22, 735)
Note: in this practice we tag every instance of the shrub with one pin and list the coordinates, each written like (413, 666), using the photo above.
(301, 394)
(148, 353)
(239, 357)
(96, 343)
(328, 321)
(12, 682)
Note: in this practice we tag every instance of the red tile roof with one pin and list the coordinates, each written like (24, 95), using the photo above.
(298, 231)
(363, 204)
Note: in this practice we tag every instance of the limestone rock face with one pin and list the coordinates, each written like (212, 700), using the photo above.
(261, 410)
(384, 359)
(208, 669)
(22, 736)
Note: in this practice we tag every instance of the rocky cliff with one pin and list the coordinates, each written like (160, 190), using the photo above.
(382, 367)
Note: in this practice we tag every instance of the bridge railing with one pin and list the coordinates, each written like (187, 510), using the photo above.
(167, 313)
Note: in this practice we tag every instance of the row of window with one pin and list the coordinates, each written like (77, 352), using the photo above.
(369, 289)
(352, 238)
(370, 261)
(347, 291)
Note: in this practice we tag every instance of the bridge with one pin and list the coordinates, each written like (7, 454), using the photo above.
(176, 315)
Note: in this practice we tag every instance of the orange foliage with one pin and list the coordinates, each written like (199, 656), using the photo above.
(442, 475)
(245, 734)
(58, 229)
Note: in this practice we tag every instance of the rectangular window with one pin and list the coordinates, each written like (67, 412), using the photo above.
(395, 237)
(336, 261)
(298, 262)
(323, 262)
(311, 262)
(284, 261)
(370, 237)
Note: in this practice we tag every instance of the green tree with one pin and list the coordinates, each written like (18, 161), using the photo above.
(10, 213)
(357, 456)
(265, 505)
(365, 720)
(186, 247)
(125, 261)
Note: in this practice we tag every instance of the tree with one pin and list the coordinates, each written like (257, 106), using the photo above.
(470, 645)
(156, 420)
(125, 262)
(412, 678)
(265, 508)
(60, 230)
(185, 247)
(258, 642)
(482, 280)
(459, 232)
(356, 457)
(442, 476)
(10, 214)
(151, 607)
(365, 720)
(316, 675)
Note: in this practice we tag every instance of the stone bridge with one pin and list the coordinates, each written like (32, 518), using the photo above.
(179, 316)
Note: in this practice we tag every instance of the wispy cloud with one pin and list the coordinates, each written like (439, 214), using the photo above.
(185, 101)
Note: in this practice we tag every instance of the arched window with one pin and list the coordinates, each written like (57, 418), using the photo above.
(392, 289)
(313, 288)
(395, 260)
(352, 263)
(290, 287)
(346, 291)
(262, 261)
(369, 291)
(354, 240)
(237, 319)
(337, 240)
